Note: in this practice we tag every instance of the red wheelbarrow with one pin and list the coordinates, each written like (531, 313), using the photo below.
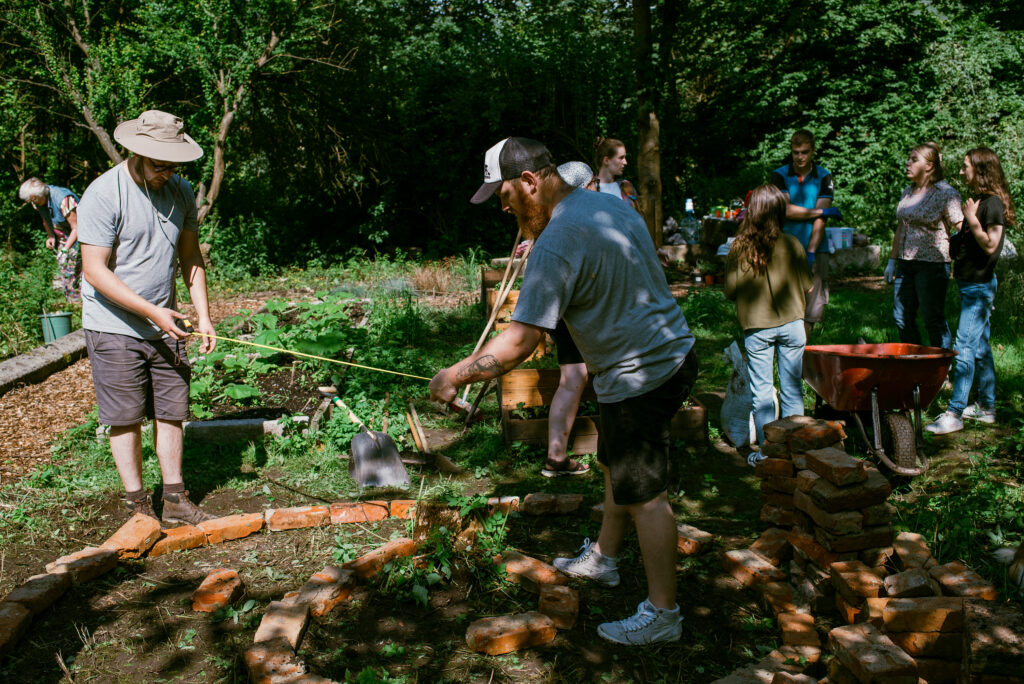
(888, 380)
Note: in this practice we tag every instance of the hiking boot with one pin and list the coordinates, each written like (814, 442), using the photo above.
(982, 415)
(946, 423)
(649, 625)
(591, 565)
(144, 506)
(178, 509)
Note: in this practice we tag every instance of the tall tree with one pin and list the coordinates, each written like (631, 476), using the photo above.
(648, 127)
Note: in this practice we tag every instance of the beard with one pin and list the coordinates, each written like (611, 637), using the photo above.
(533, 220)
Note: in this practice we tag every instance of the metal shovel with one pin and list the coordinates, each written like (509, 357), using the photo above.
(375, 459)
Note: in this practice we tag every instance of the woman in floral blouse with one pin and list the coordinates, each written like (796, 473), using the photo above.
(928, 212)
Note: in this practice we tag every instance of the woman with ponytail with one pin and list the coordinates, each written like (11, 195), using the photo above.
(768, 277)
(610, 162)
(975, 250)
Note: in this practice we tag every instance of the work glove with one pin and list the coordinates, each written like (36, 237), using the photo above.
(523, 246)
(831, 212)
(810, 260)
(890, 271)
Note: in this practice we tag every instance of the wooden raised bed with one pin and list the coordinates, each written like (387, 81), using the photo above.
(536, 387)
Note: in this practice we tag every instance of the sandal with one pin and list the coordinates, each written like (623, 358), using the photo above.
(572, 467)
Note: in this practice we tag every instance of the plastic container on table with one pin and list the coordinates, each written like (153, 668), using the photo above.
(839, 238)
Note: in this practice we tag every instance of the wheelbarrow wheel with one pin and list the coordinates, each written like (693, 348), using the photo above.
(900, 441)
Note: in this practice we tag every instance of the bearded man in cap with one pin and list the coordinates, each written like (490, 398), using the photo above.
(137, 226)
(593, 265)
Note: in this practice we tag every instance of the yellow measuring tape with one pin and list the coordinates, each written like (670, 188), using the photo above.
(192, 331)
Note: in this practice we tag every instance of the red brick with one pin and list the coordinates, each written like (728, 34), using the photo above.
(774, 450)
(832, 499)
(876, 557)
(326, 589)
(855, 581)
(839, 673)
(871, 656)
(774, 467)
(371, 563)
(503, 504)
(283, 620)
(178, 539)
(38, 592)
(823, 433)
(749, 568)
(270, 662)
(773, 545)
(927, 614)
(135, 537)
(843, 522)
(836, 466)
(560, 603)
(14, 621)
(784, 517)
(231, 527)
(945, 645)
(874, 612)
(790, 678)
(359, 512)
(879, 514)
(798, 629)
(508, 633)
(849, 613)
(959, 580)
(807, 545)
(936, 671)
(806, 479)
(692, 541)
(545, 504)
(279, 519)
(912, 551)
(529, 572)
(869, 538)
(784, 485)
(798, 656)
(779, 431)
(909, 584)
(85, 565)
(219, 589)
(778, 597)
(403, 509)
(993, 638)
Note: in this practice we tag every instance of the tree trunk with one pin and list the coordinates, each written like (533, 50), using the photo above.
(648, 146)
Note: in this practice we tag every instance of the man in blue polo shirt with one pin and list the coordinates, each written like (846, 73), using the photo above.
(808, 187)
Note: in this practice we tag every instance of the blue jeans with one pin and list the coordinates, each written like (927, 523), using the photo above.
(974, 354)
(921, 286)
(789, 340)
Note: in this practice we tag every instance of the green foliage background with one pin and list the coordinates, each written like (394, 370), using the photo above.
(366, 126)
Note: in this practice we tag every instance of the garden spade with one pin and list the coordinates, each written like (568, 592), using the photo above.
(375, 459)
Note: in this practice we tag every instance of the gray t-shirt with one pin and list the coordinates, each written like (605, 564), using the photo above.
(116, 212)
(595, 266)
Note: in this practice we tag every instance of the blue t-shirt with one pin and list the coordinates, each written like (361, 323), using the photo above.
(803, 192)
(60, 203)
(595, 267)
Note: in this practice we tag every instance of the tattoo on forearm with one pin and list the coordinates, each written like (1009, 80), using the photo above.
(484, 368)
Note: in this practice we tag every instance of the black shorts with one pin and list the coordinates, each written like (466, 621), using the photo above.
(635, 435)
(566, 350)
(137, 379)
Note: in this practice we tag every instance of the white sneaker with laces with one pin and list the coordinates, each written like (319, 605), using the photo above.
(591, 565)
(982, 415)
(946, 423)
(649, 625)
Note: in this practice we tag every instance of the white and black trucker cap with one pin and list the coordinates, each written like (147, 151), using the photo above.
(507, 160)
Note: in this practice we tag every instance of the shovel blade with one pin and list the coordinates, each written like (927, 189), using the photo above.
(376, 462)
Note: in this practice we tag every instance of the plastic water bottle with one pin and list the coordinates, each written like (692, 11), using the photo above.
(689, 227)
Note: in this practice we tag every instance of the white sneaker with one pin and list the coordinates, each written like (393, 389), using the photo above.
(590, 564)
(649, 625)
(755, 457)
(982, 415)
(945, 423)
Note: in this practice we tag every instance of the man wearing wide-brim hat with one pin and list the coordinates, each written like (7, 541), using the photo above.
(137, 225)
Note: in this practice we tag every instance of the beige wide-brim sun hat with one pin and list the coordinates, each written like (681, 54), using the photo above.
(158, 135)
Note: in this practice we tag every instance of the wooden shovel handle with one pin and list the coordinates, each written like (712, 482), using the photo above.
(351, 416)
(415, 434)
(419, 428)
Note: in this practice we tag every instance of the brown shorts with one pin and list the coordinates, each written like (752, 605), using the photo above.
(817, 298)
(635, 435)
(137, 379)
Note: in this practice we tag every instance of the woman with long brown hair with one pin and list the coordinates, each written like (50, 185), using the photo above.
(768, 277)
(975, 250)
(610, 162)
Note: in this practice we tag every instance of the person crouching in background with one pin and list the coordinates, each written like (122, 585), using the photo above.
(768, 277)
